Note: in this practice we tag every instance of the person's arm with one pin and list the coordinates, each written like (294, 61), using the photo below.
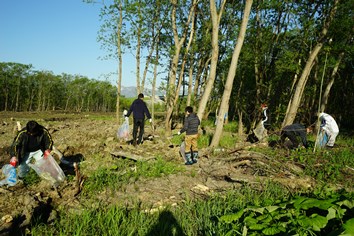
(16, 145)
(147, 112)
(48, 141)
(185, 126)
(130, 109)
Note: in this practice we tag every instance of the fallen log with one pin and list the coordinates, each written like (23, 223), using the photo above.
(131, 156)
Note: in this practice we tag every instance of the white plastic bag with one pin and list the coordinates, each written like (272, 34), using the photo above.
(322, 139)
(11, 176)
(123, 131)
(182, 150)
(48, 169)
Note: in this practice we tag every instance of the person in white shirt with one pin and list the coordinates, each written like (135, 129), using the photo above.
(330, 127)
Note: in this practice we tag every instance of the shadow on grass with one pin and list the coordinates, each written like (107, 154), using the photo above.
(166, 225)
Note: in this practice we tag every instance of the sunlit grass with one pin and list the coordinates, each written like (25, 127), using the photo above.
(123, 172)
(330, 168)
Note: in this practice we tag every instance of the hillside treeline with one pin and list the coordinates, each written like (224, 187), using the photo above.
(25, 89)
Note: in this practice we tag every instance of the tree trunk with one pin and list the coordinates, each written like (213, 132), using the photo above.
(155, 76)
(215, 19)
(119, 52)
(330, 83)
(190, 83)
(300, 87)
(137, 57)
(231, 75)
(173, 90)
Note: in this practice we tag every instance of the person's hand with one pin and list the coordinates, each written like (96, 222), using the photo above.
(150, 120)
(179, 133)
(13, 161)
(46, 153)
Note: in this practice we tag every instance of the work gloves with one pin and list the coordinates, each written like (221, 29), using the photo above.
(46, 153)
(13, 161)
(179, 133)
(150, 120)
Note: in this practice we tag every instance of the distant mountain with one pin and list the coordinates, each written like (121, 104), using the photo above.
(130, 92)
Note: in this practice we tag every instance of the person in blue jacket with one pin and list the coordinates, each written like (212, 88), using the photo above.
(139, 110)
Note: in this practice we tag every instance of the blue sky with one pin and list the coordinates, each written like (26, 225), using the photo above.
(58, 36)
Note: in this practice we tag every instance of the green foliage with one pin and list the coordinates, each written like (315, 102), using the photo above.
(231, 127)
(326, 165)
(301, 215)
(42, 90)
(31, 178)
(124, 172)
(271, 210)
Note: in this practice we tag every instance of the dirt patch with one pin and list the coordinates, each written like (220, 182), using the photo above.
(81, 138)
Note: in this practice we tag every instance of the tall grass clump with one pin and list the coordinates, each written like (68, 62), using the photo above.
(328, 166)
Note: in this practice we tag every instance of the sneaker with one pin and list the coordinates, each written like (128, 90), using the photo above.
(194, 160)
(188, 163)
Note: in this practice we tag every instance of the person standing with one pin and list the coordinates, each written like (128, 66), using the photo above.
(330, 127)
(33, 141)
(294, 132)
(190, 126)
(139, 110)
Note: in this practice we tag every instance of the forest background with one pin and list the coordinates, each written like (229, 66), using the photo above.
(220, 57)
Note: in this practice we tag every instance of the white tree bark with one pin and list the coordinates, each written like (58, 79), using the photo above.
(231, 76)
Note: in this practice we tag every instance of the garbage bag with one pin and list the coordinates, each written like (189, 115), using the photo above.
(322, 139)
(182, 150)
(123, 131)
(11, 176)
(48, 169)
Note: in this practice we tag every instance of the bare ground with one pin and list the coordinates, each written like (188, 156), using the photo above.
(83, 137)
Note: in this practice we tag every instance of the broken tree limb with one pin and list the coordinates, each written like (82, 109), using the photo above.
(244, 162)
(121, 154)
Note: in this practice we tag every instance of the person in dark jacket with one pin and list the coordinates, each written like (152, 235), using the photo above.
(33, 141)
(139, 110)
(294, 132)
(190, 126)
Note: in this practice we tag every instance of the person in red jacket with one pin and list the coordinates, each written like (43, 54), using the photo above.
(33, 141)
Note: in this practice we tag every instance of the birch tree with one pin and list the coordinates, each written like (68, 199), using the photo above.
(173, 89)
(296, 99)
(231, 75)
(215, 19)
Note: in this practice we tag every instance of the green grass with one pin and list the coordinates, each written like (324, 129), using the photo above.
(123, 172)
(31, 178)
(272, 207)
(258, 209)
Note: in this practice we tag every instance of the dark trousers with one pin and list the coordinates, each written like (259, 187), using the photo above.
(291, 135)
(138, 124)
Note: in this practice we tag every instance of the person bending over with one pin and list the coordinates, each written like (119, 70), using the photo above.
(33, 141)
(294, 133)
